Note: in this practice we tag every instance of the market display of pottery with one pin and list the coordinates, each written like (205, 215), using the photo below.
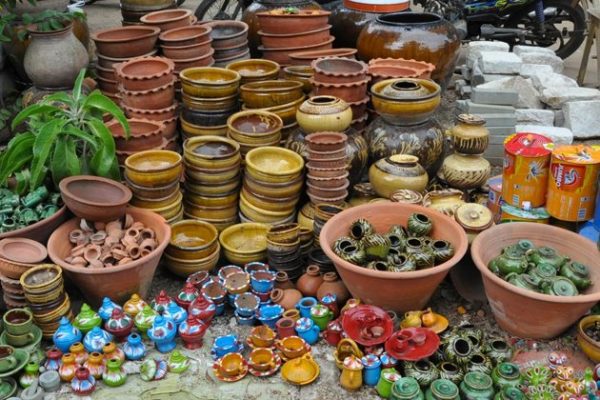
(230, 41)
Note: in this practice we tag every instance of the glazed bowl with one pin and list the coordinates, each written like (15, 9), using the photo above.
(95, 198)
(118, 282)
(186, 36)
(145, 73)
(153, 168)
(339, 70)
(212, 175)
(203, 118)
(168, 19)
(284, 189)
(406, 101)
(380, 287)
(212, 188)
(192, 240)
(243, 243)
(224, 199)
(266, 94)
(255, 70)
(249, 125)
(150, 203)
(282, 56)
(209, 82)
(589, 346)
(287, 112)
(211, 152)
(125, 42)
(300, 73)
(227, 33)
(299, 39)
(210, 212)
(264, 215)
(190, 130)
(269, 203)
(276, 22)
(157, 192)
(525, 313)
(186, 267)
(273, 164)
(188, 51)
(210, 104)
(169, 210)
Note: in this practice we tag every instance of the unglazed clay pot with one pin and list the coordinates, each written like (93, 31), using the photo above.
(465, 171)
(400, 171)
(324, 113)
(423, 36)
(469, 135)
(310, 282)
(332, 284)
(53, 59)
(286, 298)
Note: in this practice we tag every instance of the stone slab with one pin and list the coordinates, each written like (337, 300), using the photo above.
(501, 130)
(583, 118)
(556, 63)
(521, 49)
(534, 116)
(529, 69)
(557, 97)
(528, 95)
(474, 49)
(498, 62)
(506, 97)
(467, 106)
(557, 134)
(547, 80)
(498, 120)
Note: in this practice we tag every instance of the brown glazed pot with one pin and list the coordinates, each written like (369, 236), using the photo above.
(145, 73)
(118, 282)
(332, 70)
(144, 134)
(424, 37)
(310, 282)
(301, 39)
(168, 19)
(126, 42)
(382, 287)
(186, 36)
(525, 313)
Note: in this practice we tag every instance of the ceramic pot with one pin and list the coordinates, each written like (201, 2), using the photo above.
(400, 171)
(349, 92)
(95, 364)
(53, 59)
(134, 348)
(446, 201)
(168, 19)
(332, 284)
(287, 298)
(310, 282)
(469, 134)
(506, 374)
(114, 375)
(425, 37)
(443, 389)
(423, 371)
(83, 384)
(465, 171)
(351, 378)
(338, 70)
(145, 73)
(299, 39)
(126, 42)
(324, 113)
(282, 281)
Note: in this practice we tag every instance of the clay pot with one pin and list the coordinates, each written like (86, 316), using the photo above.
(306, 57)
(525, 313)
(186, 52)
(144, 134)
(282, 281)
(349, 92)
(205, 60)
(227, 34)
(286, 298)
(381, 287)
(126, 42)
(400, 171)
(445, 201)
(469, 135)
(235, 51)
(145, 73)
(168, 19)
(422, 68)
(324, 113)
(283, 23)
(266, 94)
(332, 284)
(154, 99)
(164, 114)
(300, 73)
(465, 171)
(282, 56)
(310, 282)
(300, 39)
(326, 141)
(106, 73)
(186, 36)
(53, 59)
(339, 70)
(110, 62)
(425, 37)
(382, 72)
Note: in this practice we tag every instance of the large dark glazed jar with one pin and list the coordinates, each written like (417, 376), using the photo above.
(420, 36)
(350, 17)
(257, 6)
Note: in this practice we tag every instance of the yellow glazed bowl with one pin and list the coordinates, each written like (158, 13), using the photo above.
(209, 82)
(184, 268)
(211, 152)
(192, 240)
(202, 212)
(210, 104)
(273, 164)
(215, 189)
(245, 242)
(221, 224)
(153, 168)
(589, 346)
(254, 124)
(261, 215)
(207, 175)
(300, 73)
(154, 203)
(287, 112)
(191, 130)
(255, 70)
(306, 216)
(274, 190)
(213, 201)
(272, 93)
(170, 210)
(287, 204)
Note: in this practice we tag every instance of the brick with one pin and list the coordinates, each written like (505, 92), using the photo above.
(498, 62)
(534, 116)
(529, 69)
(557, 134)
(474, 49)
(506, 97)
(474, 108)
(583, 118)
(556, 97)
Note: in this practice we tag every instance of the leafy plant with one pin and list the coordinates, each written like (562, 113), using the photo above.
(45, 21)
(66, 136)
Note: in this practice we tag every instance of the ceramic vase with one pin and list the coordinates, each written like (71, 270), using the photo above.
(286, 298)
(119, 324)
(324, 114)
(67, 367)
(66, 335)
(134, 305)
(162, 333)
(96, 339)
(469, 134)
(134, 348)
(144, 320)
(203, 309)
(79, 352)
(114, 375)
(465, 171)
(32, 372)
(83, 384)
(95, 364)
(161, 302)
(87, 319)
(332, 284)
(175, 313)
(282, 281)
(400, 171)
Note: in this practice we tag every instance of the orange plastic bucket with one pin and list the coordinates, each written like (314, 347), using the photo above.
(525, 174)
(495, 196)
(573, 182)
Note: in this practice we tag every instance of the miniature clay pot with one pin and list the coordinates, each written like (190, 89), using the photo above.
(168, 19)
(145, 73)
(300, 39)
(126, 42)
(324, 113)
(338, 70)
(400, 171)
(186, 36)
(287, 298)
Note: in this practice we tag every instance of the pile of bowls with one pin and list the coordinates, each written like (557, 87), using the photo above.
(389, 68)
(13, 294)
(323, 213)
(212, 180)
(283, 249)
(255, 70)
(144, 135)
(285, 32)
(230, 41)
(46, 297)
(153, 177)
(272, 185)
(169, 19)
(244, 243)
(210, 96)
(118, 45)
(327, 167)
(133, 10)
(346, 79)
(300, 73)
(254, 129)
(193, 247)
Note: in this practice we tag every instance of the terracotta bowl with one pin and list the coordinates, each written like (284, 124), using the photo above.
(255, 70)
(168, 19)
(185, 36)
(153, 99)
(526, 313)
(349, 92)
(325, 172)
(243, 243)
(382, 72)
(110, 62)
(126, 42)
(118, 282)
(207, 104)
(589, 346)
(13, 269)
(381, 287)
(209, 82)
(153, 168)
(302, 21)
(270, 93)
(423, 69)
(211, 152)
(144, 134)
(326, 141)
(41, 230)
(223, 62)
(300, 39)
(145, 73)
(188, 51)
(162, 115)
(306, 57)
(282, 56)
(205, 60)
(106, 73)
(22, 250)
(227, 33)
(233, 51)
(94, 198)
(339, 70)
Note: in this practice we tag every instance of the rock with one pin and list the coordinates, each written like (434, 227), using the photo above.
(559, 118)
(552, 60)
(475, 48)
(499, 62)
(465, 71)
(528, 95)
(547, 80)
(507, 97)
(557, 134)
(467, 106)
(498, 120)
(556, 97)
(529, 69)
(520, 50)
(535, 116)
(583, 118)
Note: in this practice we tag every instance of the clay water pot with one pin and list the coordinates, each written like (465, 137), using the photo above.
(332, 284)
(310, 282)
(400, 171)
(287, 298)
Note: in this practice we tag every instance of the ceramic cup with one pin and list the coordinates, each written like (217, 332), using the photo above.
(18, 321)
(19, 340)
(292, 346)
(262, 336)
(262, 359)
(231, 364)
(419, 338)
(7, 358)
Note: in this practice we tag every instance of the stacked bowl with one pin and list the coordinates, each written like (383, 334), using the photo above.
(187, 46)
(272, 185)
(210, 96)
(285, 31)
(133, 10)
(212, 180)
(255, 70)
(230, 41)
(153, 177)
(283, 249)
(254, 129)
(389, 68)
(326, 182)
(193, 247)
(13, 294)
(244, 243)
(169, 19)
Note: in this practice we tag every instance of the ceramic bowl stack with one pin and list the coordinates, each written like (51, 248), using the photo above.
(283, 32)
(13, 294)
(283, 249)
(153, 177)
(212, 180)
(244, 243)
(169, 19)
(254, 129)
(272, 185)
(255, 70)
(133, 10)
(230, 41)
(344, 78)
(118, 45)
(389, 68)
(325, 183)
(193, 247)
(210, 96)
(46, 297)
(323, 213)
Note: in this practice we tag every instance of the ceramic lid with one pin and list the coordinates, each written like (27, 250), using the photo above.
(352, 362)
(478, 380)
(406, 196)
(444, 388)
(470, 119)
(406, 387)
(391, 375)
(474, 216)
(578, 154)
(528, 145)
(370, 360)
(304, 324)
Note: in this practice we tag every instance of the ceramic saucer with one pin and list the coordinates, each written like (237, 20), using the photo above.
(272, 371)
(284, 358)
(213, 353)
(230, 378)
(22, 357)
(37, 338)
(253, 346)
(414, 352)
(8, 387)
(359, 322)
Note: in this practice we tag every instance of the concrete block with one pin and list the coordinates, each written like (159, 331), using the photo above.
(474, 108)
(494, 151)
(559, 118)
(583, 118)
(465, 91)
(528, 95)
(557, 97)
(503, 131)
(557, 134)
(498, 120)
(535, 117)
(506, 97)
(529, 69)
(521, 49)
(475, 48)
(498, 62)
(555, 62)
(547, 80)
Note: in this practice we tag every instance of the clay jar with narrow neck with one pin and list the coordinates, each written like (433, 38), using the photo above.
(469, 134)
(332, 284)
(465, 171)
(400, 171)
(286, 298)
(53, 59)
(310, 282)
(324, 114)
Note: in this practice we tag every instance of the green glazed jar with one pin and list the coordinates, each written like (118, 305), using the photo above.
(442, 389)
(510, 393)
(546, 255)
(423, 371)
(477, 386)
(541, 272)
(498, 350)
(578, 273)
(386, 380)
(406, 389)
(559, 286)
(419, 225)
(114, 375)
(506, 374)
(87, 319)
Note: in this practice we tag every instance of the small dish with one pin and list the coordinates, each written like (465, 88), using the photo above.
(21, 250)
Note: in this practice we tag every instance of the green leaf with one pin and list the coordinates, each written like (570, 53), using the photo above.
(22, 178)
(19, 152)
(78, 133)
(64, 161)
(97, 100)
(60, 97)
(42, 147)
(102, 162)
(34, 109)
(78, 85)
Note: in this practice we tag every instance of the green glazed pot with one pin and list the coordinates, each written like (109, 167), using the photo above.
(442, 389)
(178, 363)
(523, 281)
(87, 319)
(442, 250)
(546, 255)
(401, 262)
(538, 375)
(559, 286)
(422, 255)
(498, 350)
(509, 393)
(510, 261)
(477, 386)
(577, 273)
(114, 375)
(506, 374)
(406, 389)
(541, 272)
(386, 380)
(423, 371)
(419, 225)
(451, 371)
(354, 254)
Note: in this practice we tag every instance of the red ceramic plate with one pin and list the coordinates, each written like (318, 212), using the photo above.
(367, 325)
(412, 351)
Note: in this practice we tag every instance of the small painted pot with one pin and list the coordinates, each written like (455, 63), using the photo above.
(225, 344)
(246, 305)
(107, 307)
(134, 348)
(333, 333)
(387, 361)
(255, 266)
(178, 363)
(269, 314)
(83, 384)
(243, 320)
(227, 270)
(304, 306)
(66, 335)
(163, 333)
(371, 370)
(321, 315)
(262, 336)
(96, 339)
(175, 313)
(386, 380)
(285, 327)
(262, 281)
(307, 330)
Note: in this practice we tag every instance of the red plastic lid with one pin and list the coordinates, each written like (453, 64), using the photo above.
(528, 145)
(578, 154)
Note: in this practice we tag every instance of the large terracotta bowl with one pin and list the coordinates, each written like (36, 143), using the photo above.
(526, 313)
(118, 282)
(398, 291)
(41, 230)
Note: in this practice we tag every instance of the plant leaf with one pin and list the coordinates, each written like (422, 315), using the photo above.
(78, 85)
(78, 133)
(61, 97)
(17, 154)
(42, 147)
(64, 161)
(102, 162)
(22, 178)
(98, 101)
(34, 109)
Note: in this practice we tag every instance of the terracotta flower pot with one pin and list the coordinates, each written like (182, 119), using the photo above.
(186, 51)
(154, 99)
(168, 19)
(110, 62)
(525, 313)
(107, 85)
(125, 42)
(326, 141)
(383, 72)
(349, 92)
(163, 114)
(186, 36)
(144, 135)
(300, 39)
(423, 69)
(145, 73)
(303, 21)
(307, 56)
(381, 287)
(282, 55)
(339, 70)
(106, 73)
(118, 282)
